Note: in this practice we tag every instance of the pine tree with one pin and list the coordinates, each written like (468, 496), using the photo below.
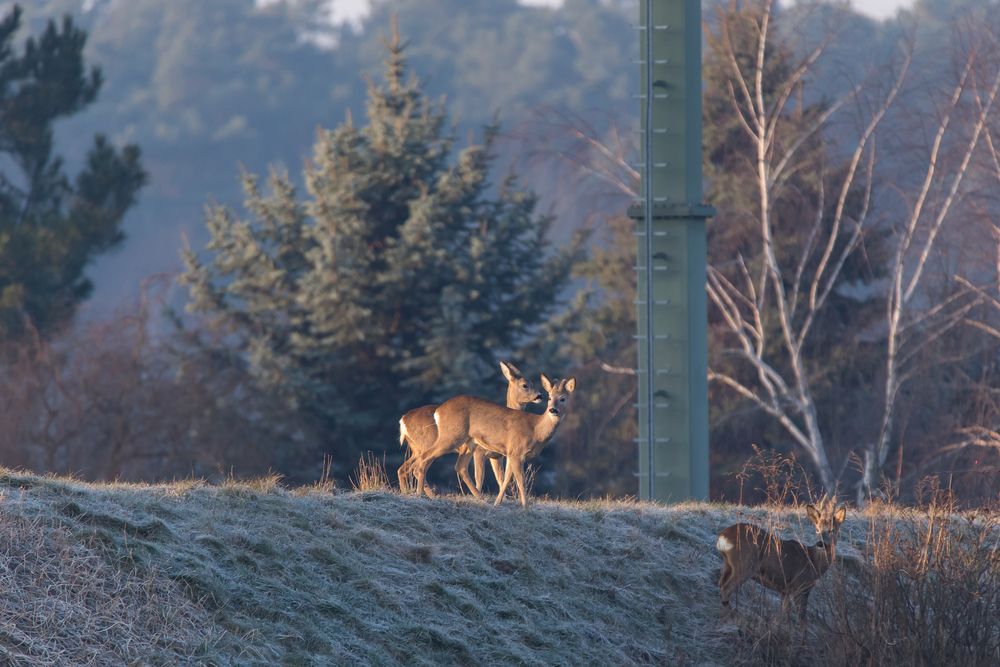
(399, 280)
(51, 228)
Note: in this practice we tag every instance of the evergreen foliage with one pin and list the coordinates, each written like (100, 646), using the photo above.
(399, 280)
(595, 338)
(50, 228)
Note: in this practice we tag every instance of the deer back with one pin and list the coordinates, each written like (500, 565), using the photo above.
(781, 565)
(493, 426)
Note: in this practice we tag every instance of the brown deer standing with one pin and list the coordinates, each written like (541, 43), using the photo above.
(518, 436)
(786, 566)
(418, 430)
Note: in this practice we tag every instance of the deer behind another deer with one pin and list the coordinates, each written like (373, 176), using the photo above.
(518, 436)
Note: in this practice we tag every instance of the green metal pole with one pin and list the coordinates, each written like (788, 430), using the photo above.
(672, 304)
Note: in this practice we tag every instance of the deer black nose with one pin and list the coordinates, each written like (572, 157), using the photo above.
(553, 411)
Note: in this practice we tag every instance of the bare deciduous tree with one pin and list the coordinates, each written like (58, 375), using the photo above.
(110, 400)
(767, 291)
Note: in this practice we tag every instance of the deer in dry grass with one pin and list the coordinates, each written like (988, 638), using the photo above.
(786, 566)
(517, 436)
(418, 430)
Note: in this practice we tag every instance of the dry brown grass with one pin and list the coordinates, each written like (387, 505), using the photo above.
(370, 475)
(916, 585)
(927, 591)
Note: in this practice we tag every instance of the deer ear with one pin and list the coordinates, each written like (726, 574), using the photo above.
(509, 370)
(546, 384)
(812, 513)
(570, 385)
(840, 514)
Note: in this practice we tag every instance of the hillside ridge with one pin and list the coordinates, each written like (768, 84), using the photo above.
(253, 573)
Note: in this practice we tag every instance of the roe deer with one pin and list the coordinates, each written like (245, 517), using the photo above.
(418, 430)
(786, 566)
(518, 436)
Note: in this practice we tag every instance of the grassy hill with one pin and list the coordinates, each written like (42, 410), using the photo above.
(252, 573)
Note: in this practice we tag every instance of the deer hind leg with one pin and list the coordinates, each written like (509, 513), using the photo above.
(729, 585)
(404, 474)
(462, 468)
(725, 577)
(445, 443)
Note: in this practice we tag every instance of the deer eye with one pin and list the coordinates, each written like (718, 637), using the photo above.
(562, 399)
(524, 386)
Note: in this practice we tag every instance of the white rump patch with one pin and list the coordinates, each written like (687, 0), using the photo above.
(436, 421)
(723, 544)
(402, 431)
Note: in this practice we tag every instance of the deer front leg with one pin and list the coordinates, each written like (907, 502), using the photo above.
(504, 483)
(477, 466)
(497, 464)
(802, 602)
(518, 466)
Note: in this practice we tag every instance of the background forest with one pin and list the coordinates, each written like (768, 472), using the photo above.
(254, 238)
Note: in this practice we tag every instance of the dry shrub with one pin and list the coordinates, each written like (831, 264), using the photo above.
(775, 479)
(370, 474)
(929, 590)
(919, 585)
(63, 603)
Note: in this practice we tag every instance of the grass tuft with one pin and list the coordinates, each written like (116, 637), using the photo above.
(370, 474)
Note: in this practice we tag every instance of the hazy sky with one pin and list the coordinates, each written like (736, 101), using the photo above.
(352, 10)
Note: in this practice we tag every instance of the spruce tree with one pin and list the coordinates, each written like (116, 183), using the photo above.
(400, 279)
(51, 228)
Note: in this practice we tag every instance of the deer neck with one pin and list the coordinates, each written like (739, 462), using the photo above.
(545, 427)
(821, 555)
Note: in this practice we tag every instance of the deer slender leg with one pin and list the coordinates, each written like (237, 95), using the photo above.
(518, 466)
(497, 464)
(446, 442)
(477, 466)
(462, 468)
(724, 577)
(730, 590)
(504, 483)
(725, 574)
(404, 474)
(802, 601)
